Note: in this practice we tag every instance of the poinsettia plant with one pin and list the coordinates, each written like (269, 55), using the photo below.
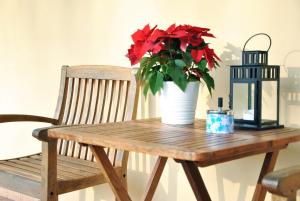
(177, 54)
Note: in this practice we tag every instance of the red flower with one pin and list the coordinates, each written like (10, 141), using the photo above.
(145, 40)
(173, 32)
(132, 55)
(142, 35)
(197, 55)
(209, 56)
(208, 53)
(188, 35)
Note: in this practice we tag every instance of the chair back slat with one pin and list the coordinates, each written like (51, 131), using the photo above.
(104, 100)
(91, 95)
(118, 94)
(69, 100)
(110, 98)
(125, 101)
(84, 102)
(74, 113)
(96, 101)
(89, 100)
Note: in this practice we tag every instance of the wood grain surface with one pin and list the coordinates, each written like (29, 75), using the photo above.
(179, 142)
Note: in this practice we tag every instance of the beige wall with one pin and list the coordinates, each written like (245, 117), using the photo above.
(38, 36)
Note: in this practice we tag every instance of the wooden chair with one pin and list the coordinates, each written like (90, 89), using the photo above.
(283, 182)
(87, 95)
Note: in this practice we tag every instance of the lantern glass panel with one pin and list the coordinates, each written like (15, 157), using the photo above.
(269, 101)
(243, 101)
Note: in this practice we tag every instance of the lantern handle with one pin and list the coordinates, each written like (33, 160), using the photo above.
(257, 35)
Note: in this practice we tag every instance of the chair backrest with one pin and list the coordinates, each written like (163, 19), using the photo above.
(92, 95)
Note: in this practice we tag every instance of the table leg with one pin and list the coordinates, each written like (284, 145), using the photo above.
(268, 166)
(154, 178)
(193, 174)
(110, 174)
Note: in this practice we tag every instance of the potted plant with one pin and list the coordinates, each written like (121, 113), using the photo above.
(174, 61)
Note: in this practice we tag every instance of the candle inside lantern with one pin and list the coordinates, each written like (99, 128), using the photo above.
(248, 115)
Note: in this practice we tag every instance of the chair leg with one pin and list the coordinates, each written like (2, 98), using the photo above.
(49, 171)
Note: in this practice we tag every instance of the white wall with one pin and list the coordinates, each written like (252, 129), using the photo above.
(38, 36)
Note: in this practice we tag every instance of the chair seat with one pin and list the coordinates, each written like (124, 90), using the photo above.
(284, 182)
(24, 174)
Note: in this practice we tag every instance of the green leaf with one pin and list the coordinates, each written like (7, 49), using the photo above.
(156, 82)
(147, 74)
(209, 82)
(146, 88)
(171, 71)
(187, 57)
(177, 77)
(140, 75)
(144, 61)
(202, 65)
(182, 83)
(154, 59)
(164, 68)
(146, 67)
(180, 63)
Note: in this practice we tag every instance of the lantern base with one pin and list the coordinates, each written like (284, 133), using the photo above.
(242, 126)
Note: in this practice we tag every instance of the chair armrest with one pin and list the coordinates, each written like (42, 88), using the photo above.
(22, 117)
(283, 182)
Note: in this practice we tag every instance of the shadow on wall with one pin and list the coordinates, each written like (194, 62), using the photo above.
(290, 91)
(230, 56)
(140, 168)
(148, 106)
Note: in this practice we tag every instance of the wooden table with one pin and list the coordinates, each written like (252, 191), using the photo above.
(188, 145)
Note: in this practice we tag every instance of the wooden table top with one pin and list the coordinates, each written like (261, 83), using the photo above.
(189, 142)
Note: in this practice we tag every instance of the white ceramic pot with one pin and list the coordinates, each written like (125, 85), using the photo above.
(176, 106)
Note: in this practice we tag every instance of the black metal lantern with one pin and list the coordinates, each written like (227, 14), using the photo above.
(254, 90)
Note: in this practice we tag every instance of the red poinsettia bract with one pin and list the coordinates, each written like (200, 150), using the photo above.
(145, 40)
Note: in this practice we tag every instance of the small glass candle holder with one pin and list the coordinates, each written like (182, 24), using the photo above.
(220, 121)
